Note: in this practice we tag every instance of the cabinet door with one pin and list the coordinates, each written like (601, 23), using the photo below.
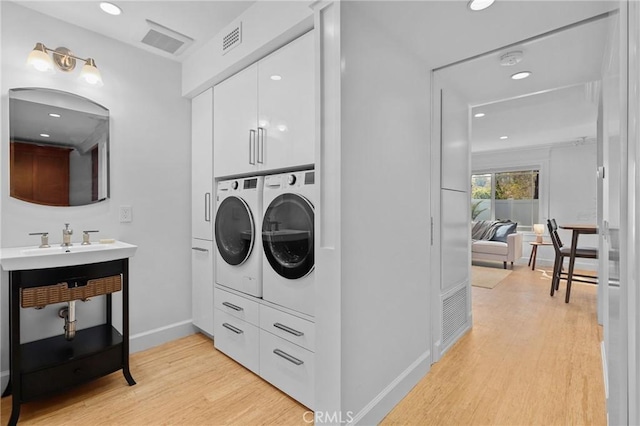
(235, 111)
(202, 284)
(201, 165)
(286, 106)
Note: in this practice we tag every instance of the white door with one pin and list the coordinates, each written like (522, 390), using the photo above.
(286, 106)
(451, 180)
(201, 165)
(235, 112)
(202, 284)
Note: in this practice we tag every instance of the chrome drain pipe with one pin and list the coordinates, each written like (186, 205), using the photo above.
(69, 315)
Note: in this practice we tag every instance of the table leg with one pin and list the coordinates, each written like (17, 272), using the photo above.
(572, 261)
(534, 252)
(533, 249)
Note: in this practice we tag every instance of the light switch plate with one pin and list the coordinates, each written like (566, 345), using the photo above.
(126, 214)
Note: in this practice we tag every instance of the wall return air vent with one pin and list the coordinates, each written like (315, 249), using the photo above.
(232, 38)
(166, 39)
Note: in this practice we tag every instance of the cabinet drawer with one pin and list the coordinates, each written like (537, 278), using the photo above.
(289, 327)
(288, 367)
(60, 377)
(238, 339)
(238, 306)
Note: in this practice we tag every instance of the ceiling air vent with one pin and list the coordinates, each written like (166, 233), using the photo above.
(166, 39)
(232, 38)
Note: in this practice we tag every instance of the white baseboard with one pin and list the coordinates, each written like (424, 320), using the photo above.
(384, 402)
(148, 339)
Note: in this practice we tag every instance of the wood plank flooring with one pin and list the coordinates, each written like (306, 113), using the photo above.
(530, 359)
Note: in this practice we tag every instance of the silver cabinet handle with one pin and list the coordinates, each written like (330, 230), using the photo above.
(261, 132)
(252, 147)
(232, 306)
(207, 207)
(288, 329)
(232, 328)
(288, 357)
(200, 249)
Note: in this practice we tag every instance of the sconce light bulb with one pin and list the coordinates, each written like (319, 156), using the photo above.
(40, 59)
(90, 73)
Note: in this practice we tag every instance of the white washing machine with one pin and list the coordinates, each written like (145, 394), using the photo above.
(288, 240)
(237, 232)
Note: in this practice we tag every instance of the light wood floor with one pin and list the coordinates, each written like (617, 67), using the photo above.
(530, 359)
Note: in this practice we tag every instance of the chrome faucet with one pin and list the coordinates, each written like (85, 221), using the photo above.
(44, 238)
(66, 235)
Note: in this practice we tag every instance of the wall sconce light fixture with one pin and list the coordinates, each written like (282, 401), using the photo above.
(65, 61)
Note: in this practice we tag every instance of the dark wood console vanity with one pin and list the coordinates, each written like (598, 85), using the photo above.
(54, 364)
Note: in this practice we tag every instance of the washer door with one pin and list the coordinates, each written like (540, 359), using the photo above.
(234, 230)
(287, 235)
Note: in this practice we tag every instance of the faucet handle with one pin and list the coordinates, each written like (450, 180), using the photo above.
(44, 238)
(85, 237)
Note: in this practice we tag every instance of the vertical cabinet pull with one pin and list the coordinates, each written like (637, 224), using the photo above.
(252, 147)
(288, 357)
(288, 329)
(207, 207)
(261, 132)
(232, 328)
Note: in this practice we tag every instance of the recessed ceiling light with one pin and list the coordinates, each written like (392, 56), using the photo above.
(44, 135)
(504, 137)
(54, 115)
(110, 8)
(479, 115)
(276, 77)
(477, 5)
(520, 75)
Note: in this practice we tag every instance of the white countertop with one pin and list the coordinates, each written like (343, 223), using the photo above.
(33, 257)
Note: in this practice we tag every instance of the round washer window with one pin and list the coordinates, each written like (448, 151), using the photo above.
(234, 231)
(287, 235)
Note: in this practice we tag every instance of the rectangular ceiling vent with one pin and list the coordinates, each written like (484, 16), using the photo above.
(166, 39)
(232, 38)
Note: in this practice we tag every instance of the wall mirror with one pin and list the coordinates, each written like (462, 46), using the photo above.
(59, 148)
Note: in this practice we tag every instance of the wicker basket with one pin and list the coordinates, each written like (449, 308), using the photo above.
(38, 297)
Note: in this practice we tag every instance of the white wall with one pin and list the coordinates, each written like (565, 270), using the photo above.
(386, 332)
(150, 170)
(266, 26)
(567, 188)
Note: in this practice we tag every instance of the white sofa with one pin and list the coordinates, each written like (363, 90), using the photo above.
(498, 251)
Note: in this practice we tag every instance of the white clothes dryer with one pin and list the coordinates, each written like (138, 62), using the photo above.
(288, 240)
(237, 233)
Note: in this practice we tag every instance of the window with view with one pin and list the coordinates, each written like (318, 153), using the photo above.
(507, 195)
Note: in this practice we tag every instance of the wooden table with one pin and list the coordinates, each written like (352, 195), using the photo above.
(576, 231)
(534, 252)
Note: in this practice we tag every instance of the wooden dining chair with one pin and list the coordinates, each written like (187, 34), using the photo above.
(563, 252)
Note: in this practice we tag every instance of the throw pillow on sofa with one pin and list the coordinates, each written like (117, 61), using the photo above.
(504, 230)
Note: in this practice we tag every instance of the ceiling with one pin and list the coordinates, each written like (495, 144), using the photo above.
(556, 104)
(199, 20)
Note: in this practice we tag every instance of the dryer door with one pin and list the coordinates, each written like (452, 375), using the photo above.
(235, 230)
(287, 235)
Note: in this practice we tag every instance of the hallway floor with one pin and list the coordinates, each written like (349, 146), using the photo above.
(529, 359)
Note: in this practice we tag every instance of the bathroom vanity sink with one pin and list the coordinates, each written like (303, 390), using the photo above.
(23, 258)
(47, 276)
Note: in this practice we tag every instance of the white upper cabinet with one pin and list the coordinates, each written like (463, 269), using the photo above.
(264, 115)
(201, 161)
(286, 115)
(235, 132)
